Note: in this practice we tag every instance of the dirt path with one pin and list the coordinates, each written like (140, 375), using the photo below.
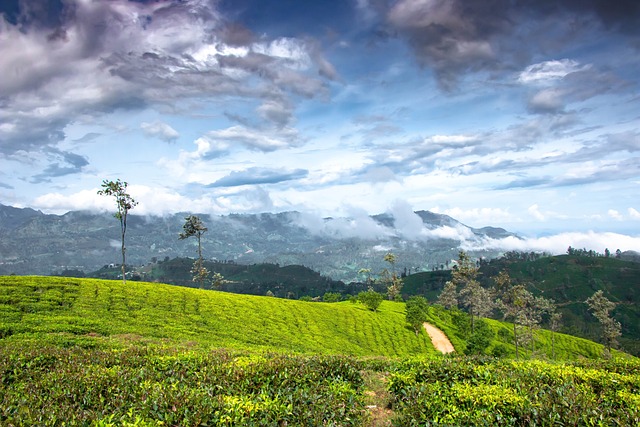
(439, 339)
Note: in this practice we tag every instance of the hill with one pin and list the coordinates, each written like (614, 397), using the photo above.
(101, 312)
(92, 311)
(32, 242)
(569, 280)
(96, 352)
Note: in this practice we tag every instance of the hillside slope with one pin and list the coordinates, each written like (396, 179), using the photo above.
(91, 311)
(568, 280)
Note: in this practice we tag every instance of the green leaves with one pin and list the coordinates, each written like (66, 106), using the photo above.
(466, 391)
(154, 386)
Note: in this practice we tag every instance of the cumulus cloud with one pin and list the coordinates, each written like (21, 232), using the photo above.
(633, 213)
(454, 37)
(92, 58)
(546, 101)
(614, 214)
(160, 130)
(534, 211)
(159, 201)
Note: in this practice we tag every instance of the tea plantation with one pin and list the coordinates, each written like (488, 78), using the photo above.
(87, 352)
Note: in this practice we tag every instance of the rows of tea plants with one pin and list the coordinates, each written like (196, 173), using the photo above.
(491, 392)
(142, 386)
(84, 310)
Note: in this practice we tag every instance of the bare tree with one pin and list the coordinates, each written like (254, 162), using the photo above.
(390, 278)
(478, 300)
(124, 203)
(448, 298)
(600, 306)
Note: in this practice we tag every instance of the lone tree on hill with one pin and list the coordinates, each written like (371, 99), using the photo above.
(194, 226)
(600, 306)
(416, 314)
(124, 203)
(371, 299)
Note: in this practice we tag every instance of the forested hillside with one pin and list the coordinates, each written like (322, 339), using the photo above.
(567, 279)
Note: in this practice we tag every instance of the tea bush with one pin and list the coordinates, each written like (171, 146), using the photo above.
(477, 392)
(54, 386)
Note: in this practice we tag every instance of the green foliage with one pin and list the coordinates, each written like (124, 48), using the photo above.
(480, 339)
(290, 281)
(124, 203)
(417, 308)
(49, 386)
(105, 313)
(371, 299)
(571, 279)
(194, 226)
(486, 392)
(600, 306)
(332, 297)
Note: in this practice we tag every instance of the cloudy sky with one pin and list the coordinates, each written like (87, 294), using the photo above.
(523, 114)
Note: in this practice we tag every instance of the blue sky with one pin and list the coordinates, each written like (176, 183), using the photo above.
(512, 113)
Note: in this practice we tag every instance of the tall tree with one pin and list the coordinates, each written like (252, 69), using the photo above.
(523, 309)
(390, 278)
(124, 203)
(555, 319)
(600, 306)
(193, 226)
(448, 298)
(478, 300)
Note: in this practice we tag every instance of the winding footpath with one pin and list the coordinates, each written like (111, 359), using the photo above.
(439, 339)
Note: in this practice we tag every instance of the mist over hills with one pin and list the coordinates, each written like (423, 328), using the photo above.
(32, 242)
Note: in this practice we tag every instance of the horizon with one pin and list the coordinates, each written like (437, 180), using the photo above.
(409, 227)
(519, 115)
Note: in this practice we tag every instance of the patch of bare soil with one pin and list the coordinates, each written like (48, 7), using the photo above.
(377, 400)
(439, 339)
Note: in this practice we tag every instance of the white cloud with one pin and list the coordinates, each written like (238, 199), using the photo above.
(614, 214)
(548, 71)
(160, 130)
(534, 211)
(546, 100)
(558, 243)
(479, 217)
(634, 214)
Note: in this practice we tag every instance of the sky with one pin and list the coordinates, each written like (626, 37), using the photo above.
(521, 114)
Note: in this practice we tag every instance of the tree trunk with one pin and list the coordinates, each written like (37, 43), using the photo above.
(124, 230)
(515, 338)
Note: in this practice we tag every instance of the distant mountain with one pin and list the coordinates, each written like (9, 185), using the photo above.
(32, 242)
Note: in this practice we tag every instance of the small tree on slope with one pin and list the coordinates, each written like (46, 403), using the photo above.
(600, 306)
(124, 203)
(193, 226)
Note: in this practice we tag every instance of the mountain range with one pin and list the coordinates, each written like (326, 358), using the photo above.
(32, 242)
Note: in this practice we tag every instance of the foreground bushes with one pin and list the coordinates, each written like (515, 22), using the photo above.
(150, 386)
(142, 387)
(477, 392)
